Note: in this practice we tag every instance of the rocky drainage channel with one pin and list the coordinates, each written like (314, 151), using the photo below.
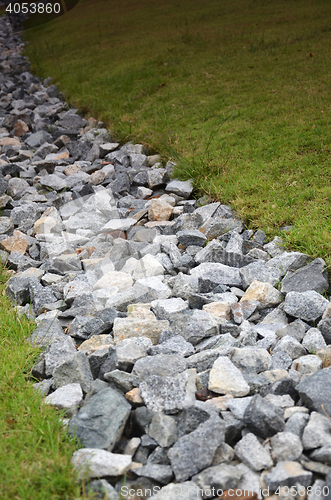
(190, 355)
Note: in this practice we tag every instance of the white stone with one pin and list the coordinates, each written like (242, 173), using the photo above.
(225, 378)
(66, 398)
(90, 462)
(121, 280)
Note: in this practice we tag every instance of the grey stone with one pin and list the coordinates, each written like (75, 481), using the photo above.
(251, 359)
(286, 446)
(317, 432)
(308, 306)
(18, 290)
(306, 365)
(175, 345)
(124, 381)
(96, 360)
(259, 271)
(263, 418)
(216, 479)
(224, 454)
(102, 487)
(314, 276)
(162, 365)
(238, 406)
(164, 308)
(290, 346)
(181, 188)
(98, 463)
(168, 394)
(190, 454)
(48, 331)
(212, 274)
(295, 330)
(296, 424)
(313, 341)
(287, 474)
(100, 422)
(54, 182)
(193, 415)
(128, 351)
(280, 360)
(191, 237)
(252, 453)
(160, 473)
(325, 328)
(66, 398)
(38, 138)
(193, 325)
(40, 295)
(60, 350)
(315, 391)
(322, 454)
(163, 429)
(75, 369)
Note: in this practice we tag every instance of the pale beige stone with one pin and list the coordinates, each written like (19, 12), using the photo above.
(96, 342)
(16, 243)
(159, 210)
(221, 402)
(97, 177)
(140, 311)
(134, 397)
(265, 293)
(225, 378)
(125, 328)
(72, 169)
(20, 128)
(219, 309)
(10, 141)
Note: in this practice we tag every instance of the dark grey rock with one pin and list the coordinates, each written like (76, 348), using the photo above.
(18, 290)
(263, 418)
(122, 380)
(190, 454)
(100, 422)
(163, 429)
(193, 325)
(315, 391)
(75, 369)
(163, 365)
(287, 474)
(325, 328)
(191, 237)
(296, 424)
(175, 345)
(49, 330)
(314, 276)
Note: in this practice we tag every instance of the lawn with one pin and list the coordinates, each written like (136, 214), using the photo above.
(35, 450)
(237, 92)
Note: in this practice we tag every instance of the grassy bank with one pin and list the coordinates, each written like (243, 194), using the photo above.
(238, 92)
(35, 450)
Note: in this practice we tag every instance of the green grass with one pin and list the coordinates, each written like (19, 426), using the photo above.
(35, 450)
(238, 92)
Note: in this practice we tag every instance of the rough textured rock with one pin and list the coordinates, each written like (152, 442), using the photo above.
(100, 422)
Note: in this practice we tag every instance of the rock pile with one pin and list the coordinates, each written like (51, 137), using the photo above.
(186, 351)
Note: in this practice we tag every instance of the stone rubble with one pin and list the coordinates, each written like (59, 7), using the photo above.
(184, 350)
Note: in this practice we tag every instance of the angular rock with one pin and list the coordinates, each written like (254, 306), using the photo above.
(126, 328)
(308, 306)
(75, 369)
(315, 391)
(286, 447)
(262, 418)
(100, 463)
(252, 453)
(169, 394)
(314, 276)
(225, 378)
(100, 422)
(190, 454)
(287, 474)
(163, 429)
(193, 325)
(66, 398)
